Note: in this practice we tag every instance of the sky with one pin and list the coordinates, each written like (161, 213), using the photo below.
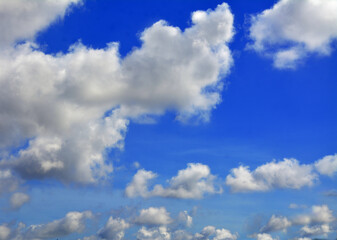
(168, 119)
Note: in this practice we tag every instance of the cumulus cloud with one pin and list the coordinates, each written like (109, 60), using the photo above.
(294, 29)
(71, 223)
(193, 182)
(21, 20)
(315, 223)
(321, 230)
(71, 107)
(164, 233)
(264, 236)
(276, 224)
(327, 165)
(114, 229)
(210, 232)
(18, 199)
(139, 184)
(153, 216)
(159, 233)
(320, 214)
(156, 224)
(288, 173)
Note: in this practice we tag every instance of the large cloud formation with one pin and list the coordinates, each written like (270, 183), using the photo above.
(68, 108)
(293, 29)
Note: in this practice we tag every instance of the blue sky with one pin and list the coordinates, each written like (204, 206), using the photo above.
(219, 123)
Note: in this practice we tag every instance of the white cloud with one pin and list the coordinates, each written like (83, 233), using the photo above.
(139, 184)
(71, 223)
(320, 214)
(20, 19)
(160, 233)
(327, 165)
(114, 229)
(315, 223)
(4, 232)
(18, 199)
(292, 29)
(321, 230)
(210, 232)
(57, 102)
(193, 182)
(276, 224)
(284, 174)
(224, 234)
(155, 224)
(264, 236)
(153, 216)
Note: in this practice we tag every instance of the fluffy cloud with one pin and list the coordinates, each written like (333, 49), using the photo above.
(224, 234)
(293, 29)
(218, 234)
(71, 223)
(316, 223)
(321, 230)
(193, 182)
(284, 174)
(113, 229)
(20, 19)
(156, 224)
(276, 224)
(153, 216)
(264, 236)
(160, 233)
(327, 165)
(71, 107)
(139, 184)
(320, 214)
(163, 233)
(18, 199)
